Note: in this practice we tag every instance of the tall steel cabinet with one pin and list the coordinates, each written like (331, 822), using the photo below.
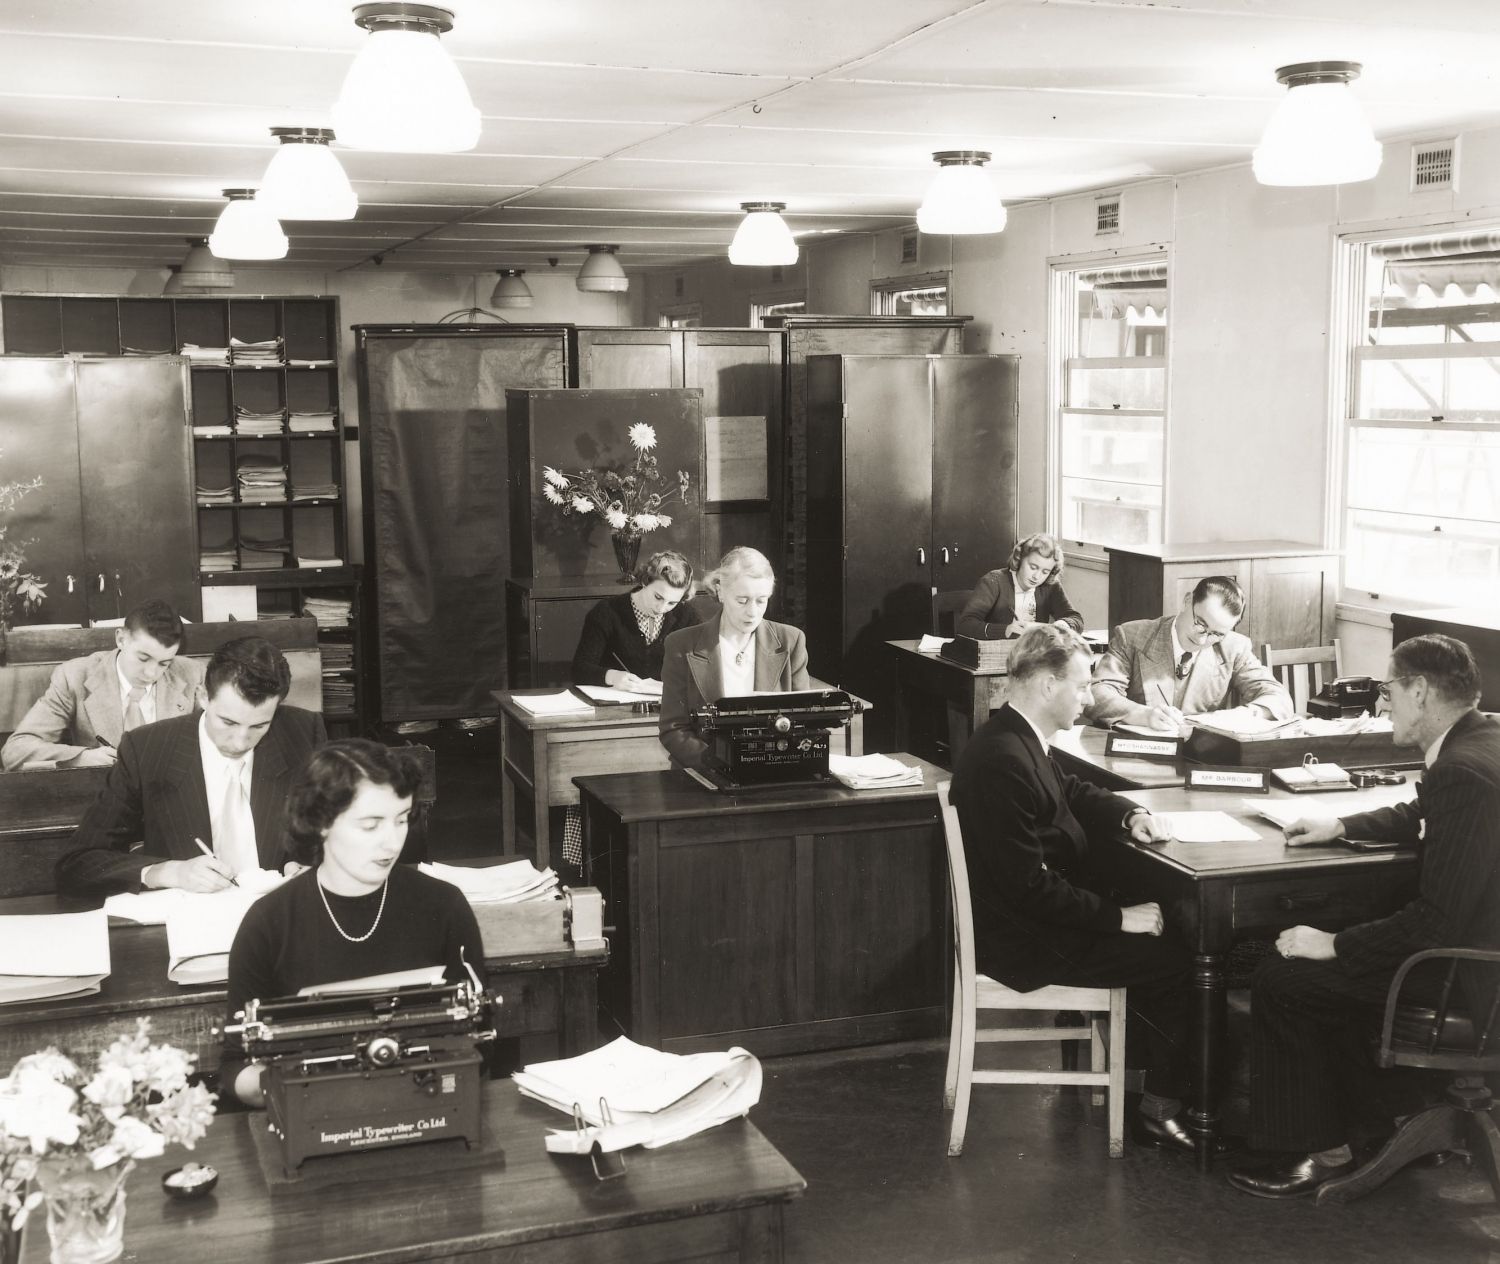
(911, 490)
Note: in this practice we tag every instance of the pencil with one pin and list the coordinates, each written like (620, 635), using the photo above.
(208, 851)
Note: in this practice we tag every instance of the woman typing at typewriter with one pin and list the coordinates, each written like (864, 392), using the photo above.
(355, 912)
(738, 652)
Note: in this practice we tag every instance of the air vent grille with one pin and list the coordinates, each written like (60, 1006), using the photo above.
(1107, 215)
(1432, 166)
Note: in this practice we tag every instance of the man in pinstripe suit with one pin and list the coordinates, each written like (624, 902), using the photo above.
(219, 776)
(1308, 1009)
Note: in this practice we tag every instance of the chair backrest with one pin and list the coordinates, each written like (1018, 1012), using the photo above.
(1434, 1035)
(945, 608)
(1304, 672)
(958, 884)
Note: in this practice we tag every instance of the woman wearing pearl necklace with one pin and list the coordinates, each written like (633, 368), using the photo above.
(737, 652)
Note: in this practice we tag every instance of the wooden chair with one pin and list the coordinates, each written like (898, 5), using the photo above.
(1303, 673)
(1102, 1008)
(945, 610)
(1443, 1039)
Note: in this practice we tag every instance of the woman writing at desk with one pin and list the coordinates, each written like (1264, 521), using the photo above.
(355, 912)
(736, 653)
(623, 637)
(1025, 591)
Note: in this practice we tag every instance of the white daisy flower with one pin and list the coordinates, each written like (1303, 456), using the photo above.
(643, 436)
(644, 522)
(663, 520)
(556, 478)
(582, 504)
(616, 518)
(552, 494)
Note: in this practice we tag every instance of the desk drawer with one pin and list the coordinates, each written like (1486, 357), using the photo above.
(1328, 900)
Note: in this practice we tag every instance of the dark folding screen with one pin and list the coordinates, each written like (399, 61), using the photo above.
(434, 462)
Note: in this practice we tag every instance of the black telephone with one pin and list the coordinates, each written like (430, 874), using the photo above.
(1353, 691)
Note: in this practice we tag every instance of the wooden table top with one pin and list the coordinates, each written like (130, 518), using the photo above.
(529, 1197)
(910, 647)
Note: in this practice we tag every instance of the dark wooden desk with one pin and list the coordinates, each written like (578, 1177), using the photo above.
(780, 919)
(1215, 893)
(1080, 751)
(968, 693)
(38, 813)
(719, 1195)
(550, 1000)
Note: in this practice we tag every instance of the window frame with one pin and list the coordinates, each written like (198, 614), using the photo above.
(882, 290)
(760, 300)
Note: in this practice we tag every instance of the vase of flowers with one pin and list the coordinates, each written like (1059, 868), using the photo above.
(18, 587)
(630, 499)
(79, 1131)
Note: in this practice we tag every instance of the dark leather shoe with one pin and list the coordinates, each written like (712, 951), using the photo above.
(1290, 1178)
(1167, 1134)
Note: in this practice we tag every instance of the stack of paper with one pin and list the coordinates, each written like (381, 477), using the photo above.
(338, 675)
(654, 1098)
(144, 352)
(312, 423)
(218, 557)
(330, 612)
(1311, 775)
(315, 491)
(151, 908)
(263, 555)
(197, 354)
(873, 772)
(266, 352)
(310, 364)
(609, 694)
(215, 495)
(511, 883)
(61, 954)
(930, 644)
(200, 930)
(1240, 722)
(258, 425)
(261, 478)
(212, 430)
(564, 703)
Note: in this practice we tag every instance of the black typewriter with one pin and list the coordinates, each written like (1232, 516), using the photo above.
(364, 1070)
(772, 739)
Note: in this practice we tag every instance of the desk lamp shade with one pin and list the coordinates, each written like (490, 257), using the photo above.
(511, 289)
(962, 199)
(403, 94)
(601, 272)
(199, 269)
(304, 179)
(762, 240)
(246, 230)
(1317, 134)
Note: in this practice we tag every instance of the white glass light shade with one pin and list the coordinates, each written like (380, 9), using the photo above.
(762, 240)
(201, 271)
(304, 179)
(403, 94)
(601, 272)
(511, 289)
(962, 199)
(1317, 134)
(246, 230)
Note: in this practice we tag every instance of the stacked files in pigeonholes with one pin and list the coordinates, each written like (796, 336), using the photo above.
(259, 424)
(218, 557)
(338, 675)
(330, 612)
(312, 423)
(208, 494)
(252, 353)
(315, 491)
(261, 478)
(198, 354)
(263, 555)
(212, 430)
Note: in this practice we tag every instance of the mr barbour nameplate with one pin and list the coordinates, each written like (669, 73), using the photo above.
(1163, 748)
(1236, 780)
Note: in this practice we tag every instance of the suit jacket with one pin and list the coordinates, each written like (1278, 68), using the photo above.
(1458, 899)
(1138, 667)
(1026, 826)
(155, 796)
(992, 607)
(82, 704)
(691, 678)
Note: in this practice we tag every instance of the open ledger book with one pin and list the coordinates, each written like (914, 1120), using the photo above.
(53, 955)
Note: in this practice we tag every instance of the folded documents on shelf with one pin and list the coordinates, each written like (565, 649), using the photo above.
(267, 351)
(252, 424)
(873, 772)
(510, 883)
(52, 955)
(212, 430)
(653, 1098)
(329, 612)
(564, 703)
(311, 423)
(197, 354)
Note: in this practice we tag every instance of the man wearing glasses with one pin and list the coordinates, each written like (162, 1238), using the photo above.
(1157, 671)
(1312, 1005)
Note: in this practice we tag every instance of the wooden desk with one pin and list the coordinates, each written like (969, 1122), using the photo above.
(549, 999)
(1080, 751)
(1215, 893)
(541, 755)
(969, 693)
(719, 1195)
(778, 919)
(38, 813)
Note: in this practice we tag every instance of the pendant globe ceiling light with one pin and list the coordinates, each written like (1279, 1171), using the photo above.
(762, 240)
(246, 229)
(601, 272)
(199, 269)
(962, 199)
(1318, 134)
(511, 289)
(403, 94)
(304, 179)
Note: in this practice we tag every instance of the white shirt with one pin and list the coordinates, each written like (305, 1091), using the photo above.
(148, 698)
(1040, 736)
(1179, 649)
(216, 773)
(1025, 605)
(739, 679)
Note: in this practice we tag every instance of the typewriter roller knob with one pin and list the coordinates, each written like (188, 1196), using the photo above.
(782, 724)
(383, 1051)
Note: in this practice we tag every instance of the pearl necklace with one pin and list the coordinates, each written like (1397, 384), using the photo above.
(354, 939)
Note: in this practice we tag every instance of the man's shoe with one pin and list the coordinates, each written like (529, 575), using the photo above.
(1289, 1178)
(1167, 1134)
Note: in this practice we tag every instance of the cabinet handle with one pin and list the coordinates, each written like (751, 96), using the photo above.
(945, 555)
(921, 556)
(119, 591)
(71, 582)
(955, 550)
(1295, 903)
(101, 581)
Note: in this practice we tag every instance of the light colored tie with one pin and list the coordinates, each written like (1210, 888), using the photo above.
(133, 717)
(235, 842)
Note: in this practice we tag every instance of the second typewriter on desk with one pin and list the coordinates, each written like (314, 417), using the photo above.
(773, 739)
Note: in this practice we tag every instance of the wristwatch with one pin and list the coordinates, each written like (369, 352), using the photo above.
(1131, 815)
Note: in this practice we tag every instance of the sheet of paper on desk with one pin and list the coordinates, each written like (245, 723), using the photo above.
(1277, 811)
(510, 883)
(872, 772)
(150, 908)
(48, 955)
(200, 931)
(1207, 827)
(564, 703)
(607, 693)
(1142, 730)
(421, 976)
(1240, 722)
(930, 644)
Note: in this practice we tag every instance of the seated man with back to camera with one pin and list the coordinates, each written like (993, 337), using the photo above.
(91, 702)
(219, 776)
(1040, 916)
(1312, 1008)
(1157, 672)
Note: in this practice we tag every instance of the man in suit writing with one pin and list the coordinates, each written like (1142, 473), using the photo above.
(1157, 671)
(220, 775)
(92, 701)
(1038, 918)
(1310, 1006)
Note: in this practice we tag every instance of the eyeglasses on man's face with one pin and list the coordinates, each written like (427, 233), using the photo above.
(1208, 633)
(1384, 687)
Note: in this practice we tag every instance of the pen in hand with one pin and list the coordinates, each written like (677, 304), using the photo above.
(208, 851)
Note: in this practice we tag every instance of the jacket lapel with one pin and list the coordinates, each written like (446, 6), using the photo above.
(770, 657)
(703, 661)
(101, 699)
(174, 695)
(1158, 667)
(1208, 681)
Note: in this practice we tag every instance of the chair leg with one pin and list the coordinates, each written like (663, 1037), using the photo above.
(1069, 1048)
(1484, 1144)
(960, 1122)
(1439, 1127)
(1116, 1052)
(1098, 1055)
(950, 1077)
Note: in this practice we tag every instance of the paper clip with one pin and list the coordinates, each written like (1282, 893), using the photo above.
(609, 1165)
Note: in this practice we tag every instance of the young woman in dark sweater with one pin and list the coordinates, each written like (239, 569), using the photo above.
(623, 636)
(355, 912)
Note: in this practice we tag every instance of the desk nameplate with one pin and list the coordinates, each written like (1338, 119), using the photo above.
(1228, 780)
(1157, 748)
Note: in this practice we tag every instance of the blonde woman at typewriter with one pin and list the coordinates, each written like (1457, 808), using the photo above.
(355, 912)
(737, 652)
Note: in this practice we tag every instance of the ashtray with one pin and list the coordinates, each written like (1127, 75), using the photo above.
(191, 1180)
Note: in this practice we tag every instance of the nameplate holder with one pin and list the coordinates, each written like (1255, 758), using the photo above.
(1228, 779)
(1166, 749)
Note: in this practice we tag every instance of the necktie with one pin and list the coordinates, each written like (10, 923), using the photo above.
(1184, 664)
(234, 842)
(133, 717)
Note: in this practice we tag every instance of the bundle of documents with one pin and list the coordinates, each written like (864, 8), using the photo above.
(318, 563)
(1243, 722)
(197, 354)
(263, 555)
(511, 883)
(338, 676)
(315, 491)
(253, 424)
(70, 949)
(312, 423)
(653, 1098)
(564, 703)
(268, 351)
(152, 908)
(144, 353)
(218, 557)
(330, 612)
(609, 694)
(974, 653)
(200, 931)
(1311, 775)
(873, 772)
(214, 495)
(261, 478)
(212, 430)
(310, 364)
